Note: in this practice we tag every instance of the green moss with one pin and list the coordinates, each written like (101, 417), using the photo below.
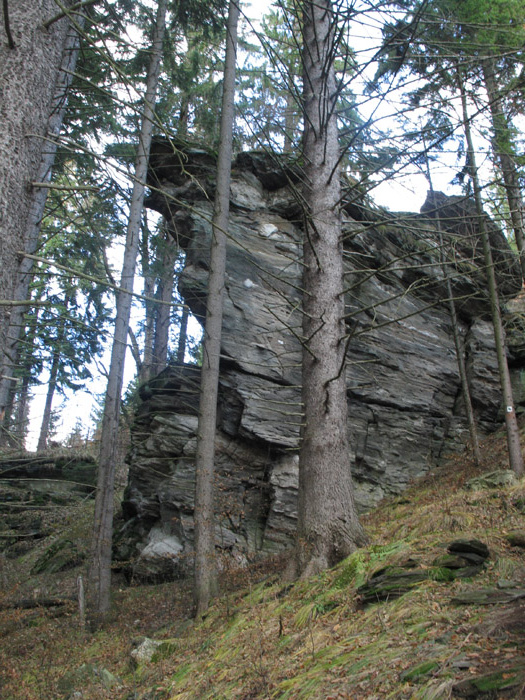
(356, 568)
(61, 555)
(420, 670)
(441, 573)
(353, 572)
(496, 681)
(166, 649)
(181, 674)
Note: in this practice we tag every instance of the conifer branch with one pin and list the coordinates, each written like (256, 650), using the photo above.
(65, 11)
(10, 40)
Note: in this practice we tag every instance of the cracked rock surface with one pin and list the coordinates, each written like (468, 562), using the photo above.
(404, 390)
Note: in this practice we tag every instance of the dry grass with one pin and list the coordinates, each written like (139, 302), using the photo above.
(267, 639)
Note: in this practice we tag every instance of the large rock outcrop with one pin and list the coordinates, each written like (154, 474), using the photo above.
(403, 383)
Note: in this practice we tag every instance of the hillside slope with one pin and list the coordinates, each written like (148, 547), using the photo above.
(428, 637)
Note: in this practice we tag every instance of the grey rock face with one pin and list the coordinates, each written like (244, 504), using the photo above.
(403, 382)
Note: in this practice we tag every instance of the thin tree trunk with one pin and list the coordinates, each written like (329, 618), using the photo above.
(14, 426)
(149, 325)
(465, 389)
(52, 383)
(164, 309)
(328, 528)
(36, 211)
(46, 418)
(290, 122)
(22, 412)
(205, 569)
(7, 437)
(183, 334)
(504, 151)
(99, 580)
(513, 435)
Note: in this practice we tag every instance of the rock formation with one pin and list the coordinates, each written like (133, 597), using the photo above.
(403, 382)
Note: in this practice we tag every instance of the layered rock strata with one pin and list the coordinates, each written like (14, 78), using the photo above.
(404, 392)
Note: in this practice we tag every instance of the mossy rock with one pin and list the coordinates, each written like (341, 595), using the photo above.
(60, 556)
(78, 678)
(489, 596)
(498, 684)
(392, 583)
(492, 480)
(517, 539)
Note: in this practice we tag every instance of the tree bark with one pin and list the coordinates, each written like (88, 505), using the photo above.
(205, 569)
(99, 579)
(513, 435)
(145, 370)
(328, 527)
(51, 386)
(164, 309)
(183, 334)
(29, 69)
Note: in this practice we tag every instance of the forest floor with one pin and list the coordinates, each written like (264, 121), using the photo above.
(436, 631)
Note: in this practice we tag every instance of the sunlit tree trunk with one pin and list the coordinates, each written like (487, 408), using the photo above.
(328, 527)
(99, 579)
(205, 569)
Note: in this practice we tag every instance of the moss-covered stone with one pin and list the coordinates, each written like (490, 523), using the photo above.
(60, 556)
(492, 480)
(517, 539)
(78, 678)
(492, 685)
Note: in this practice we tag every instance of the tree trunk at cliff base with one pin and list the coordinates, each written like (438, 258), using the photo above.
(460, 357)
(328, 526)
(205, 568)
(511, 422)
(99, 579)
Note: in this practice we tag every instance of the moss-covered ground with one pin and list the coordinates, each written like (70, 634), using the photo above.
(267, 638)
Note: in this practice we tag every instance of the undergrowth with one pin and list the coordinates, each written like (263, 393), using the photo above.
(267, 638)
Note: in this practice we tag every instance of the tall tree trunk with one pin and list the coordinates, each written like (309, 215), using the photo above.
(205, 569)
(15, 424)
(145, 371)
(99, 580)
(164, 308)
(183, 334)
(52, 383)
(51, 386)
(28, 67)
(21, 423)
(460, 358)
(513, 435)
(505, 152)
(328, 527)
